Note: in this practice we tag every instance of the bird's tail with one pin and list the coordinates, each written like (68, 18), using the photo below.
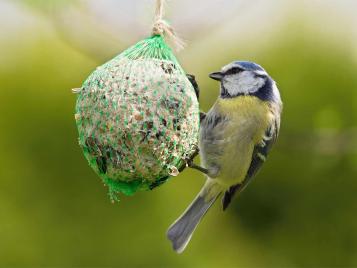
(180, 232)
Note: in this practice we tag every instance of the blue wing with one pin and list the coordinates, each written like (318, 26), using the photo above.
(259, 156)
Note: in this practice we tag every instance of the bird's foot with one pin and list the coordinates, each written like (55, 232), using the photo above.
(202, 116)
(190, 164)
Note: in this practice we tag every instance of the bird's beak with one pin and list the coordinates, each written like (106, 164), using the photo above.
(216, 76)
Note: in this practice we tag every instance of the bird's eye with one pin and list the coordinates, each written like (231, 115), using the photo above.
(234, 70)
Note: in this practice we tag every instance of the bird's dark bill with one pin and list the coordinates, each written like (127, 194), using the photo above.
(216, 76)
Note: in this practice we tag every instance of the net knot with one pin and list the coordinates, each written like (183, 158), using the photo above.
(163, 28)
(160, 27)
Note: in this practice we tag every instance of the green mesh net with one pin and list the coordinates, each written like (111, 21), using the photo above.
(138, 118)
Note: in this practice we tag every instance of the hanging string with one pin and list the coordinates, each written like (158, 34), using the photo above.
(159, 14)
(163, 28)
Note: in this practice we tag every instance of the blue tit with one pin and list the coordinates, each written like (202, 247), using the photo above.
(236, 136)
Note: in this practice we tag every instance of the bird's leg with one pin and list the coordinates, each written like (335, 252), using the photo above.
(194, 84)
(189, 159)
(199, 168)
(189, 163)
(202, 116)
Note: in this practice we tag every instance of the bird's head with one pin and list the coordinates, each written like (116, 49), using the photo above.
(241, 78)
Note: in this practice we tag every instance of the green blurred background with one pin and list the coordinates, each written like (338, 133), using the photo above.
(299, 212)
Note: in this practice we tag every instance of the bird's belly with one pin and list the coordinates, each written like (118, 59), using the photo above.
(230, 155)
(227, 149)
(235, 162)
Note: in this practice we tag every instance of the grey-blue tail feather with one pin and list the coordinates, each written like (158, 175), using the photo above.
(181, 230)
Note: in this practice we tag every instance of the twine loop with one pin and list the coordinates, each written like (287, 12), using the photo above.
(163, 28)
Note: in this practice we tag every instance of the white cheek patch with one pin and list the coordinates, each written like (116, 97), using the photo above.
(242, 83)
(276, 93)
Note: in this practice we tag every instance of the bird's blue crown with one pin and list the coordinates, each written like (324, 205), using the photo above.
(249, 66)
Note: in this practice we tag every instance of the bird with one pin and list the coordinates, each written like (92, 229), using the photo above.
(235, 138)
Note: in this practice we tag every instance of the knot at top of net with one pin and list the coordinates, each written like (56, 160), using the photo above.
(163, 28)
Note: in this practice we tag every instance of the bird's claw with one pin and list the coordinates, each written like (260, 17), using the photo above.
(189, 162)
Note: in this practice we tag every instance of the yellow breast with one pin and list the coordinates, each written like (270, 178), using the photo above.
(248, 111)
(248, 117)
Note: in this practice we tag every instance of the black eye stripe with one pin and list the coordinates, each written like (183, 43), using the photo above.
(260, 75)
(234, 70)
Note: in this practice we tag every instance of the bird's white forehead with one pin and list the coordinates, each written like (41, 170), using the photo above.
(228, 67)
(233, 65)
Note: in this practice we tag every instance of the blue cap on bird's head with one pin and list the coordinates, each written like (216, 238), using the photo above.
(247, 65)
(237, 66)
